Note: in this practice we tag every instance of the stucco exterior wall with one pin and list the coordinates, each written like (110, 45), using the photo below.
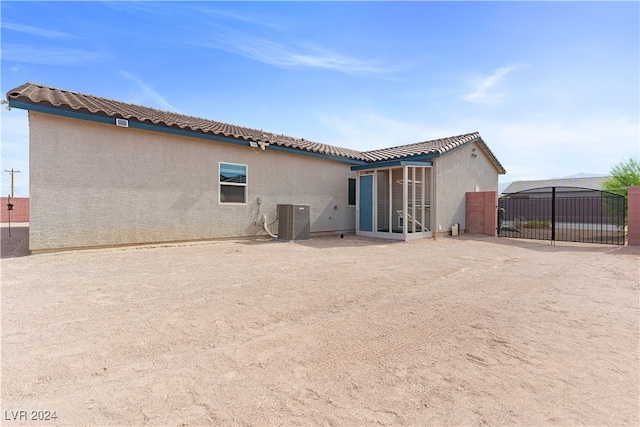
(457, 173)
(95, 184)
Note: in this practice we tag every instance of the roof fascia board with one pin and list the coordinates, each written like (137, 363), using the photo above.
(392, 163)
(387, 163)
(59, 112)
(318, 155)
(166, 129)
(483, 147)
(420, 157)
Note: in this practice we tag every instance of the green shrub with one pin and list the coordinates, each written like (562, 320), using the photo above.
(535, 223)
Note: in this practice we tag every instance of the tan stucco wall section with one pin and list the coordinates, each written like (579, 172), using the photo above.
(457, 173)
(95, 184)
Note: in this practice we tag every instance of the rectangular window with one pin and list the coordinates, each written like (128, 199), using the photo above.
(233, 183)
(352, 191)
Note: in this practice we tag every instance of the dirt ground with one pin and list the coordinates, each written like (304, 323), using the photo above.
(466, 331)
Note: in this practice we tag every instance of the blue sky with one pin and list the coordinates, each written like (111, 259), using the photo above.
(552, 87)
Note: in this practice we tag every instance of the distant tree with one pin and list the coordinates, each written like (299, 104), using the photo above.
(623, 175)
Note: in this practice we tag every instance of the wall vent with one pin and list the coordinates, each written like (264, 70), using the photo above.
(122, 123)
(294, 222)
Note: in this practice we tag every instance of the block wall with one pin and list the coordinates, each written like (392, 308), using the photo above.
(481, 212)
(633, 237)
(20, 212)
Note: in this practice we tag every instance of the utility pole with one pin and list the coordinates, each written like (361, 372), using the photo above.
(12, 172)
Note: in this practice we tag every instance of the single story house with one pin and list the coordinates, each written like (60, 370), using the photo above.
(105, 172)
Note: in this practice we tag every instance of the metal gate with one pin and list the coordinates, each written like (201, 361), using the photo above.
(563, 214)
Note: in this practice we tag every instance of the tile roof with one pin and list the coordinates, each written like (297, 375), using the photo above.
(40, 94)
(69, 100)
(436, 146)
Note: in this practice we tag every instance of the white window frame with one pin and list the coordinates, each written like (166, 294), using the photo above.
(233, 184)
(355, 196)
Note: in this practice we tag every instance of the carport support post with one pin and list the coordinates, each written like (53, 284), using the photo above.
(553, 215)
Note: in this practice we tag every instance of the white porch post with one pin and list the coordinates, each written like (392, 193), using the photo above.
(358, 202)
(423, 200)
(413, 199)
(405, 196)
(390, 184)
(434, 198)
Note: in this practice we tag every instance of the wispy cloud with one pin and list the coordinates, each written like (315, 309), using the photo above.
(486, 89)
(246, 18)
(261, 38)
(148, 95)
(286, 54)
(50, 56)
(37, 31)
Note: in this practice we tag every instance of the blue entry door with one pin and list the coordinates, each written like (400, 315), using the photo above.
(366, 202)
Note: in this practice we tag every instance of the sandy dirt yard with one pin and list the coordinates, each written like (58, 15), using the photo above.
(350, 332)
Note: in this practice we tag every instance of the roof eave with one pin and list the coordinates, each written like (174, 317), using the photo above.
(175, 130)
(441, 151)
(24, 97)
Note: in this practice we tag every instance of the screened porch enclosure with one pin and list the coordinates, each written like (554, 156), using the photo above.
(395, 202)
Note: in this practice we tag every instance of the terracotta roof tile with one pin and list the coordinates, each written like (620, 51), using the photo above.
(65, 99)
(436, 146)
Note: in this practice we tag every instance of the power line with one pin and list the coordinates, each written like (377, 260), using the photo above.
(7, 160)
(12, 172)
(22, 183)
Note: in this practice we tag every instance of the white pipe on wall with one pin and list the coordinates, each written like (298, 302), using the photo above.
(264, 225)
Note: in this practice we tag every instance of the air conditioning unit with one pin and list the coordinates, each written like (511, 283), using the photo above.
(294, 222)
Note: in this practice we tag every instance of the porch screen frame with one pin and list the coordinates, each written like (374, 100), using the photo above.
(418, 173)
